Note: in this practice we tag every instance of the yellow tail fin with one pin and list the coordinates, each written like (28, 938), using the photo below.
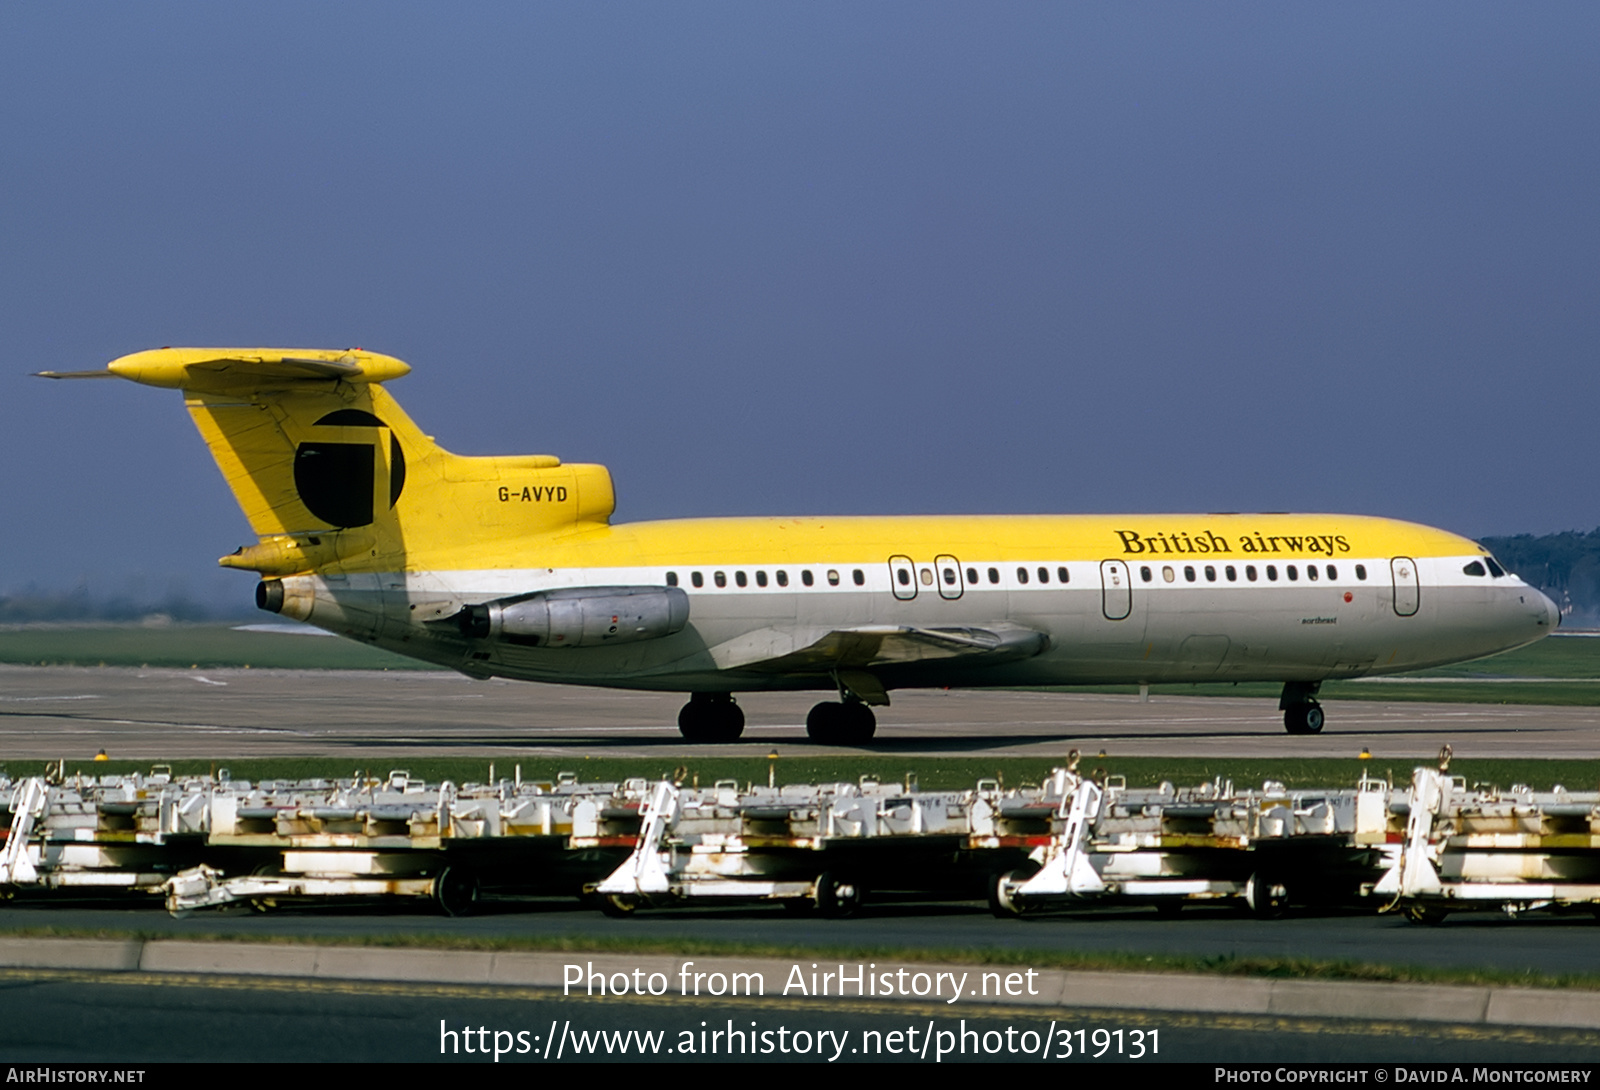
(333, 475)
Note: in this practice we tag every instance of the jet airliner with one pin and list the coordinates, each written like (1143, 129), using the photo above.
(510, 567)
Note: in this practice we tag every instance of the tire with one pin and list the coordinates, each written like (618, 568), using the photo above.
(824, 722)
(1266, 895)
(729, 723)
(264, 905)
(841, 724)
(455, 891)
(1003, 902)
(711, 717)
(617, 907)
(1428, 915)
(1304, 718)
(858, 724)
(837, 897)
(691, 722)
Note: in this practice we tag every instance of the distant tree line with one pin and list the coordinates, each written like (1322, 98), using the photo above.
(1565, 566)
(79, 604)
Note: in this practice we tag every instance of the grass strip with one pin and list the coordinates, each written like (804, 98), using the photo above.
(185, 646)
(930, 773)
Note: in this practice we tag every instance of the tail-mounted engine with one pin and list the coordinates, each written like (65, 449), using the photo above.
(578, 616)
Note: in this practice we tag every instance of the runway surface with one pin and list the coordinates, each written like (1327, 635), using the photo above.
(156, 714)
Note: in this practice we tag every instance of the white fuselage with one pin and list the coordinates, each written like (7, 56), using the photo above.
(1119, 621)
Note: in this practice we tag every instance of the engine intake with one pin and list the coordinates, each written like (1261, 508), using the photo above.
(579, 616)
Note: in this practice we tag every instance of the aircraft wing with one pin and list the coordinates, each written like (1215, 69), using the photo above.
(814, 649)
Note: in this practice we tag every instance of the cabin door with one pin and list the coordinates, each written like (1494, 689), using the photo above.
(1116, 590)
(1407, 591)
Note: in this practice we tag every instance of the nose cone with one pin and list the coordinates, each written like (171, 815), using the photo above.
(1525, 615)
(1552, 612)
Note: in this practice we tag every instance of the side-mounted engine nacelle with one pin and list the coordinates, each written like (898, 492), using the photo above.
(579, 616)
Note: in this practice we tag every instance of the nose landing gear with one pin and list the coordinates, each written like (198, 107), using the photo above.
(1301, 712)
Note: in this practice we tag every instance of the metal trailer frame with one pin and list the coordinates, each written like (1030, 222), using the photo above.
(806, 846)
(203, 842)
(1171, 847)
(1481, 848)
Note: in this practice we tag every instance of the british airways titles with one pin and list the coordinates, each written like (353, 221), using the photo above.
(1206, 541)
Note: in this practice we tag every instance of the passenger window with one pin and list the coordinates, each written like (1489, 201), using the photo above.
(722, 580)
(861, 580)
(761, 578)
(1044, 575)
(972, 575)
(1062, 574)
(782, 578)
(904, 577)
(1232, 573)
(806, 577)
(697, 579)
(949, 577)
(672, 579)
(927, 577)
(1144, 573)
(1474, 568)
(994, 575)
(1188, 572)
(1333, 572)
(1022, 575)
(739, 577)
(1250, 572)
(1211, 574)
(1494, 569)
(1272, 573)
(833, 577)
(1292, 571)
(1361, 571)
(1311, 572)
(1167, 573)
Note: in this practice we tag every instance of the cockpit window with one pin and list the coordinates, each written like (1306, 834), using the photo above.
(1475, 568)
(1494, 569)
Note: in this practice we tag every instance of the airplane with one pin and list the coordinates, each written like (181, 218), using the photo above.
(510, 567)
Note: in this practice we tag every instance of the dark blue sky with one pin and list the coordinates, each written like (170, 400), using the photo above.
(813, 258)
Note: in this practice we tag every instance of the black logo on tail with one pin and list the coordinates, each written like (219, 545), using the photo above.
(336, 481)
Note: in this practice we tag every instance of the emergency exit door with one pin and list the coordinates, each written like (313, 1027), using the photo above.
(1116, 590)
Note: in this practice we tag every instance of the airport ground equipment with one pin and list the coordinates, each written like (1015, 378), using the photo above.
(1428, 849)
(204, 842)
(1168, 846)
(1071, 839)
(809, 846)
(1484, 848)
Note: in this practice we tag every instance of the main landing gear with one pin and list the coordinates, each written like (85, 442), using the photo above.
(843, 723)
(1301, 712)
(711, 717)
